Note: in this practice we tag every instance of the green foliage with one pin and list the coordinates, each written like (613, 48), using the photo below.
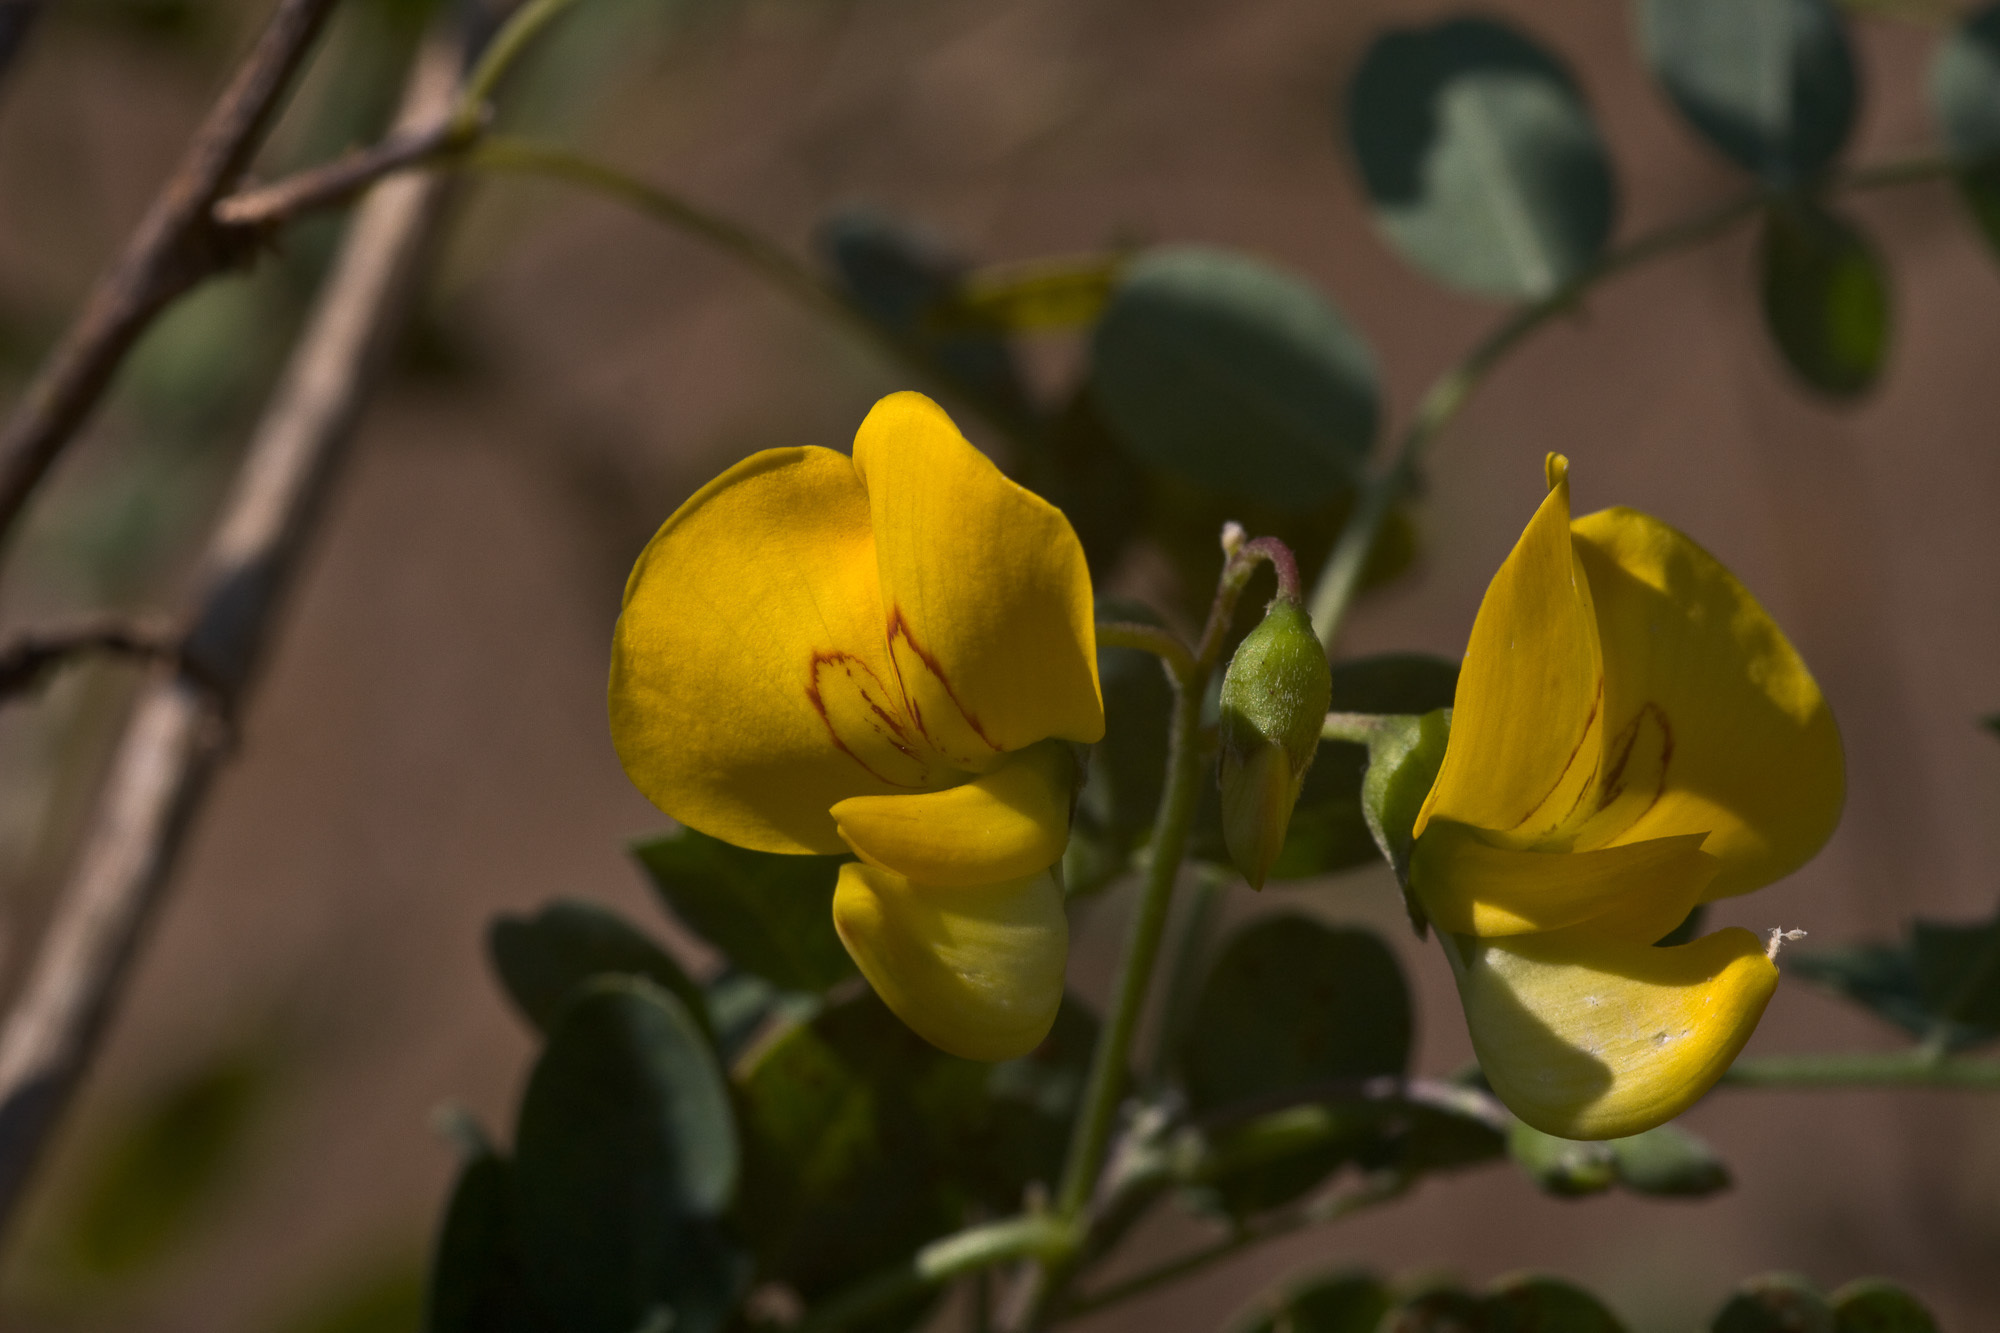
(1873, 1305)
(1121, 793)
(1965, 96)
(1235, 375)
(1526, 1303)
(625, 1159)
(477, 1282)
(1480, 158)
(771, 914)
(1403, 761)
(1776, 1303)
(863, 1142)
(543, 959)
(1942, 983)
(1345, 1301)
(1272, 706)
(164, 1167)
(1769, 82)
(1667, 1162)
(1826, 297)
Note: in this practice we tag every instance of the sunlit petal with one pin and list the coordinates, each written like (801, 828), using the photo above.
(1591, 1038)
(1009, 823)
(1470, 887)
(751, 686)
(1524, 738)
(987, 598)
(1755, 759)
(975, 971)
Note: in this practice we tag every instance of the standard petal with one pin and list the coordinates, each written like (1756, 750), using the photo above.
(985, 588)
(751, 687)
(1753, 755)
(1590, 1038)
(1524, 736)
(974, 971)
(1470, 887)
(1007, 824)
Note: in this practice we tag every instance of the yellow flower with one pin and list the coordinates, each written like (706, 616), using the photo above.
(1631, 736)
(882, 655)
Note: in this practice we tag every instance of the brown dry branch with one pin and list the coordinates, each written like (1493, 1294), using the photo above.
(178, 729)
(175, 246)
(33, 654)
(267, 206)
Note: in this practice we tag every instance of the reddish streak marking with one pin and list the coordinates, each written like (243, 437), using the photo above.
(899, 628)
(1631, 738)
(1596, 703)
(894, 733)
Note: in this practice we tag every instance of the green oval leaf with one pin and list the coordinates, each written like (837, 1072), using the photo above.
(1769, 82)
(1546, 1305)
(1480, 157)
(1775, 1303)
(1873, 1305)
(542, 959)
(1339, 1302)
(1965, 93)
(625, 1155)
(476, 1283)
(770, 914)
(1669, 1162)
(1567, 1168)
(1235, 375)
(1826, 298)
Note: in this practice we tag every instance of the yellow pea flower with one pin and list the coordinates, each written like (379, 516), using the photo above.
(881, 655)
(1631, 736)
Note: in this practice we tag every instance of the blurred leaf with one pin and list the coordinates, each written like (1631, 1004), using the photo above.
(542, 959)
(1991, 722)
(1965, 96)
(1826, 297)
(476, 1282)
(1076, 465)
(1769, 82)
(389, 1301)
(1944, 981)
(1341, 1302)
(863, 1142)
(1669, 1162)
(1442, 1307)
(1534, 1303)
(165, 1167)
(1291, 1003)
(625, 1156)
(903, 278)
(1480, 157)
(742, 1004)
(1403, 762)
(202, 362)
(1035, 297)
(1563, 1167)
(1234, 375)
(1329, 830)
(1873, 1305)
(770, 914)
(1775, 1303)
(1121, 793)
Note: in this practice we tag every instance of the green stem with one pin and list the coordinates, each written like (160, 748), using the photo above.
(505, 154)
(1163, 644)
(521, 28)
(1357, 728)
(973, 1250)
(1917, 1068)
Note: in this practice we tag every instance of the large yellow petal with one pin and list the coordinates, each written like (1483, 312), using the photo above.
(1007, 824)
(987, 596)
(751, 686)
(1589, 1038)
(1524, 730)
(1753, 755)
(975, 971)
(1470, 887)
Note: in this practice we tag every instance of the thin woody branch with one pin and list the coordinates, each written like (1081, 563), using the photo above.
(28, 658)
(336, 182)
(174, 247)
(178, 730)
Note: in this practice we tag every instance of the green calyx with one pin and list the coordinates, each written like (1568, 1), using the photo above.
(1274, 701)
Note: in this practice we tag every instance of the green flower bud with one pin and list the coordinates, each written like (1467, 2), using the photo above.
(1274, 702)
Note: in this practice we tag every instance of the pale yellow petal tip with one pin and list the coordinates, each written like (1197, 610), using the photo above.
(977, 972)
(1556, 468)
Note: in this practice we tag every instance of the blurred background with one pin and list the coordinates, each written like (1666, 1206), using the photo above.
(255, 1149)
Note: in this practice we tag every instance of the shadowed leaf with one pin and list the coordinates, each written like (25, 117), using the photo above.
(1826, 298)
(770, 914)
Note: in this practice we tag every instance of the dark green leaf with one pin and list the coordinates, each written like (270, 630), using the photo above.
(742, 1004)
(1944, 981)
(1965, 94)
(1769, 82)
(1329, 830)
(1563, 1167)
(476, 1281)
(1537, 1304)
(1958, 971)
(1235, 376)
(1826, 297)
(1077, 465)
(1480, 157)
(769, 914)
(1873, 1305)
(165, 1166)
(1121, 795)
(1442, 1307)
(543, 958)
(1775, 1303)
(1291, 1004)
(1341, 1302)
(625, 1157)
(1668, 1162)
